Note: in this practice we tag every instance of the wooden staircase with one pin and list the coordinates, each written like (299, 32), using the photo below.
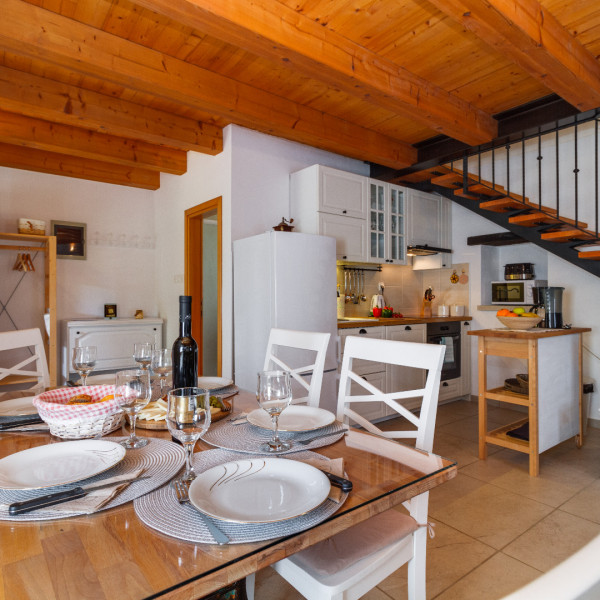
(534, 222)
(516, 212)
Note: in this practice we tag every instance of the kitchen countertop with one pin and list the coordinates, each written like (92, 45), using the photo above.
(527, 334)
(371, 322)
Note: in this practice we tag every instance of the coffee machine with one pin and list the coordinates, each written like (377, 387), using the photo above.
(548, 304)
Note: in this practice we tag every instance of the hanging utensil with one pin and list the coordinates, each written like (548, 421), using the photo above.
(356, 287)
(346, 290)
(362, 287)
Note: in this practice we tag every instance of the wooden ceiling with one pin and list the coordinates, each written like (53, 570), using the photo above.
(118, 90)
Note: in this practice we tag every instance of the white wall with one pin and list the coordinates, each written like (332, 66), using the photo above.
(578, 299)
(119, 268)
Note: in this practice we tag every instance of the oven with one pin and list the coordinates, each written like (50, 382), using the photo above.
(447, 334)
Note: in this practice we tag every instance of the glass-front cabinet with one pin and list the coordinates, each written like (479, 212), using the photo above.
(387, 210)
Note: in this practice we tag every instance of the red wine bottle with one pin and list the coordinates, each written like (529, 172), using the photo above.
(185, 349)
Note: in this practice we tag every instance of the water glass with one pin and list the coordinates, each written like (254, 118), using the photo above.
(142, 354)
(162, 365)
(188, 419)
(84, 361)
(132, 394)
(274, 394)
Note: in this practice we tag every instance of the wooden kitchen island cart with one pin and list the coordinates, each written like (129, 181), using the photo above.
(554, 399)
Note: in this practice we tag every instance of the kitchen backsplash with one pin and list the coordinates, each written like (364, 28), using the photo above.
(404, 288)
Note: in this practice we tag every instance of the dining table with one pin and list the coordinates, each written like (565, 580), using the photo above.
(113, 553)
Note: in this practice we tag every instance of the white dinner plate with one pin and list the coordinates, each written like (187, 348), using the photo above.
(213, 383)
(17, 407)
(294, 418)
(259, 490)
(58, 464)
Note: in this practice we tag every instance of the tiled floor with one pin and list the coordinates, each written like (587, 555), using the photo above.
(496, 527)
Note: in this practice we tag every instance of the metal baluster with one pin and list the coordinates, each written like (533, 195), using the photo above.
(576, 171)
(523, 164)
(557, 175)
(508, 169)
(596, 171)
(539, 159)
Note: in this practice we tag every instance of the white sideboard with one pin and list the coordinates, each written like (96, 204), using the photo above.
(114, 339)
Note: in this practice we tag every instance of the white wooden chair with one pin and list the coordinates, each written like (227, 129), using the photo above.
(282, 350)
(27, 359)
(350, 564)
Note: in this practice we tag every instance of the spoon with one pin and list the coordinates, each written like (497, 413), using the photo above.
(363, 297)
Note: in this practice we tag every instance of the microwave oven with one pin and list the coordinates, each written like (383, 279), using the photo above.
(515, 291)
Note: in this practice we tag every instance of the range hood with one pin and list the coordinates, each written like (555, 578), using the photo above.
(424, 250)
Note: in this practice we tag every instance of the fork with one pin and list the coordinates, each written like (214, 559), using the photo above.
(316, 437)
(183, 497)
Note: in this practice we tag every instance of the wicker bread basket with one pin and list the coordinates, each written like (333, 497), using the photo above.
(79, 421)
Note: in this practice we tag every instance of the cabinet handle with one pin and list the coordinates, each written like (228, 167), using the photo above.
(344, 257)
(408, 328)
(466, 323)
(444, 384)
(77, 332)
(154, 328)
(343, 212)
(362, 332)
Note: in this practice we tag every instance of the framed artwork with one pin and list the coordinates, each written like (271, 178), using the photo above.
(70, 239)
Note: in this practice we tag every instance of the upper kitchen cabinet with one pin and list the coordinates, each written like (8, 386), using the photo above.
(332, 191)
(386, 223)
(429, 223)
(326, 201)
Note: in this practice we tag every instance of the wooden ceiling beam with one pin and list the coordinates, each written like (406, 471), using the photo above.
(274, 31)
(18, 157)
(31, 31)
(73, 141)
(534, 39)
(58, 102)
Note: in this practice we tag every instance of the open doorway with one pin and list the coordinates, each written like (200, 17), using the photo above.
(203, 281)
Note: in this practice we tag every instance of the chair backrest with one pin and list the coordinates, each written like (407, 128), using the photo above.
(354, 388)
(28, 364)
(282, 349)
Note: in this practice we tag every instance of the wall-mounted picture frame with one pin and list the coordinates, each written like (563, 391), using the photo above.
(70, 239)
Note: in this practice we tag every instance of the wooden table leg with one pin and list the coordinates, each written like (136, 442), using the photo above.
(534, 454)
(482, 373)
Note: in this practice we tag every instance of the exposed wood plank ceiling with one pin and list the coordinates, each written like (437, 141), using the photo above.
(120, 90)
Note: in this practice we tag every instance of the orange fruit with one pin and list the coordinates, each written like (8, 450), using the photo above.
(511, 314)
(503, 312)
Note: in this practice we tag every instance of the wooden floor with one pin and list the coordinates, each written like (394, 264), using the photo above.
(496, 527)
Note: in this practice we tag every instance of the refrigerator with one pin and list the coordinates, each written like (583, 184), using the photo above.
(285, 280)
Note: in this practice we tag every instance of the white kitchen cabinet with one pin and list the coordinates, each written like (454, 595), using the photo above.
(326, 201)
(429, 222)
(405, 378)
(114, 339)
(349, 233)
(373, 372)
(323, 189)
(386, 223)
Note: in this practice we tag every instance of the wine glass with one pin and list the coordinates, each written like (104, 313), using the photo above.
(274, 394)
(188, 419)
(132, 393)
(84, 361)
(162, 366)
(142, 354)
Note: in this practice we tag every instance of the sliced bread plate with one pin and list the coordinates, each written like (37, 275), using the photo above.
(294, 418)
(58, 464)
(273, 489)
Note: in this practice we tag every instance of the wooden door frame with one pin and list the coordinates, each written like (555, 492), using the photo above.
(193, 271)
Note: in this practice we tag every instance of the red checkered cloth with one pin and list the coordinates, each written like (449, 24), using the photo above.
(53, 404)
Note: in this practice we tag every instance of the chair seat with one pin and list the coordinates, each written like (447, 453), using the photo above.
(335, 559)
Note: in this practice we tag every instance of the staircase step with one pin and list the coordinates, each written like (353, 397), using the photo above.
(566, 235)
(450, 180)
(425, 175)
(484, 190)
(533, 219)
(504, 204)
(592, 255)
(467, 195)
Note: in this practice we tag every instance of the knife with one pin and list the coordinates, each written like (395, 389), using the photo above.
(24, 506)
(344, 484)
(20, 423)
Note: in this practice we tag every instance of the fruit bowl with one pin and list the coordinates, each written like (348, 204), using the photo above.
(522, 323)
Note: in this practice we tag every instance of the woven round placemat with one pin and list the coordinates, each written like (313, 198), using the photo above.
(248, 438)
(162, 459)
(160, 510)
